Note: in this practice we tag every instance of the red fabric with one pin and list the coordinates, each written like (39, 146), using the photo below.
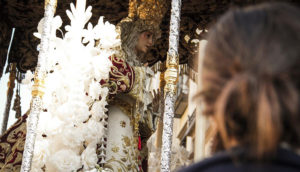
(140, 143)
(121, 77)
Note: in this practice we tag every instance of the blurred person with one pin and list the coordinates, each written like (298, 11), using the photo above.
(251, 90)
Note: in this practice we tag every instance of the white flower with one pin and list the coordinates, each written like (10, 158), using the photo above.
(48, 124)
(95, 90)
(78, 20)
(65, 160)
(107, 34)
(56, 24)
(76, 112)
(93, 131)
(41, 154)
(89, 156)
(98, 110)
(101, 65)
(56, 144)
(89, 35)
(76, 69)
(72, 136)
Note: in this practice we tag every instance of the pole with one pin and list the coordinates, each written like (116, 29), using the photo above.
(10, 92)
(37, 91)
(171, 77)
(159, 129)
(7, 109)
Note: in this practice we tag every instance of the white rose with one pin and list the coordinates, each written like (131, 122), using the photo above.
(93, 131)
(72, 136)
(65, 160)
(101, 66)
(75, 112)
(94, 90)
(107, 34)
(89, 156)
(48, 124)
(98, 110)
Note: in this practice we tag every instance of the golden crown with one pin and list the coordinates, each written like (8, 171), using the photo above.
(151, 11)
(146, 15)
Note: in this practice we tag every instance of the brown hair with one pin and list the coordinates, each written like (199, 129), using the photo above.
(251, 77)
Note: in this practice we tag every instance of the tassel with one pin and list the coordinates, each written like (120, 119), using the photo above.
(17, 102)
(140, 143)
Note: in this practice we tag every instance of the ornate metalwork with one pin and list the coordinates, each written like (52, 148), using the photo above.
(171, 77)
(171, 74)
(37, 92)
(167, 132)
(38, 86)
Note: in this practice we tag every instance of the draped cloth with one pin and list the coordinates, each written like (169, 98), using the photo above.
(12, 146)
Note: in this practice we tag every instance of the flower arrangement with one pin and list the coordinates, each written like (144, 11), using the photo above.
(71, 123)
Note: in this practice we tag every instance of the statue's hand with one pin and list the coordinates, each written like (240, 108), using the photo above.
(157, 102)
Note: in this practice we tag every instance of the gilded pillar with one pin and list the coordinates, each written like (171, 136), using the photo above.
(171, 78)
(37, 90)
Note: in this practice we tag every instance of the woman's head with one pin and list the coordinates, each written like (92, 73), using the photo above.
(251, 77)
(137, 37)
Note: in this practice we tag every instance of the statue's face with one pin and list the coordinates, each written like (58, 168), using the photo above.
(145, 42)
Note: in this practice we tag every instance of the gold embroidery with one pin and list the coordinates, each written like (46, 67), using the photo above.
(119, 79)
(126, 140)
(115, 149)
(16, 134)
(13, 146)
(138, 86)
(128, 160)
(125, 107)
(5, 149)
(123, 124)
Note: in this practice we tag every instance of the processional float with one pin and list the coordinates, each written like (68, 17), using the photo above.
(171, 77)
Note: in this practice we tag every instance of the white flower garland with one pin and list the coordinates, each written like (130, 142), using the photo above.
(70, 125)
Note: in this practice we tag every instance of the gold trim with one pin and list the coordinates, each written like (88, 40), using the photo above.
(171, 74)
(38, 88)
